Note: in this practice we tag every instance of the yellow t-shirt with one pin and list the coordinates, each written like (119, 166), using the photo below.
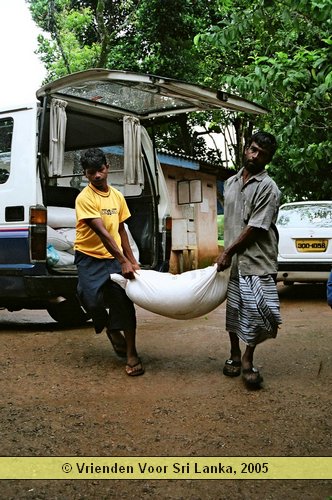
(111, 207)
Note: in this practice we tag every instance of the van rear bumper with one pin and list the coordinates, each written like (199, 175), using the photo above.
(53, 286)
(30, 291)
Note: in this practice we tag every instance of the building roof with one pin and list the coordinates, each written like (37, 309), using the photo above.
(184, 161)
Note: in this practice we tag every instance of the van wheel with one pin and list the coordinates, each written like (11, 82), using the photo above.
(68, 312)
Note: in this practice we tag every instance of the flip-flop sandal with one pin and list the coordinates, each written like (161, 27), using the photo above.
(119, 345)
(252, 377)
(135, 370)
(232, 368)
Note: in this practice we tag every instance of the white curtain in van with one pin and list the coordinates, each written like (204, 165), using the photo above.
(58, 124)
(133, 168)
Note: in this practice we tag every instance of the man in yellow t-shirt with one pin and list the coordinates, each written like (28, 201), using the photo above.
(102, 248)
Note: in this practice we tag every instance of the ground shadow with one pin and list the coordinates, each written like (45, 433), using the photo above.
(313, 292)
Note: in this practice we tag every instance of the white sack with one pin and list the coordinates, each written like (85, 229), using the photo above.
(57, 239)
(61, 217)
(65, 259)
(178, 296)
(69, 235)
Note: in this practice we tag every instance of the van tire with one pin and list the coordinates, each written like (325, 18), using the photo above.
(68, 313)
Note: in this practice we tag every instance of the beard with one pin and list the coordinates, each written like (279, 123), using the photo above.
(253, 167)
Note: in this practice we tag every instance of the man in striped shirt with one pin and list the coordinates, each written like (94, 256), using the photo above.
(251, 203)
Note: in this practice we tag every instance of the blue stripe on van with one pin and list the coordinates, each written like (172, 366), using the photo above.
(16, 232)
(17, 266)
(14, 247)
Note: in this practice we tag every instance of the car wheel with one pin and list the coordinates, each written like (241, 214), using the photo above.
(68, 312)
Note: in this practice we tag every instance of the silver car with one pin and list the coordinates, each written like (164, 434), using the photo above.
(305, 241)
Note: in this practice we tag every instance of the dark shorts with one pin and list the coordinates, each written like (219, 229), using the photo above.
(98, 293)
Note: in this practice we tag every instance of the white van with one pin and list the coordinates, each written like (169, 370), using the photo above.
(40, 177)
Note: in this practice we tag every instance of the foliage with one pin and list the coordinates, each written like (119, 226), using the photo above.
(150, 36)
(220, 225)
(78, 35)
(281, 52)
(275, 52)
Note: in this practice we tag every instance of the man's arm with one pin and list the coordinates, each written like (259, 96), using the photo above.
(246, 237)
(98, 227)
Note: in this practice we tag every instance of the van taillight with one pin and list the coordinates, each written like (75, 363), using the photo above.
(38, 233)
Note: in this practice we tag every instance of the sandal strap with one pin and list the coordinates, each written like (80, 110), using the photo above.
(232, 362)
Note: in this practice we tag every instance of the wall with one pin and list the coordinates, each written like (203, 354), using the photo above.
(194, 231)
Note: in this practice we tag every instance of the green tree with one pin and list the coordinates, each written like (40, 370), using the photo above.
(150, 36)
(280, 53)
(79, 34)
(274, 52)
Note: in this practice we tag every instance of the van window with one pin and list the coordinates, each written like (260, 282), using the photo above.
(72, 171)
(6, 134)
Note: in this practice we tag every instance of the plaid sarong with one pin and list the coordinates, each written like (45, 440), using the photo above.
(253, 309)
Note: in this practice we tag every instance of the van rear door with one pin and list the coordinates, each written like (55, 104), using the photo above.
(143, 96)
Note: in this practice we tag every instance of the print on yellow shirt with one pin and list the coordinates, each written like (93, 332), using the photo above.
(111, 207)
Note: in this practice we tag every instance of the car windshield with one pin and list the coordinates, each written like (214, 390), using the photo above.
(305, 216)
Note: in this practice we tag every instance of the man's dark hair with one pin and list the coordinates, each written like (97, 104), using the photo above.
(265, 140)
(93, 158)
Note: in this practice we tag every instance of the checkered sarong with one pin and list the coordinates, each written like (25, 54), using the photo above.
(253, 309)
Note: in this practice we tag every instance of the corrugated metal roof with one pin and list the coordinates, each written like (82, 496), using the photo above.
(167, 157)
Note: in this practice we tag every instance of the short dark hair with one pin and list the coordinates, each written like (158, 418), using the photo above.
(264, 140)
(93, 158)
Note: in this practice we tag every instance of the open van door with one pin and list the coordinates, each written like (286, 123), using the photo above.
(141, 95)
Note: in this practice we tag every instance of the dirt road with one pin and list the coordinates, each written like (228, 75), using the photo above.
(65, 393)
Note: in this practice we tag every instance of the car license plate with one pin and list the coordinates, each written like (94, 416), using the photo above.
(311, 245)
